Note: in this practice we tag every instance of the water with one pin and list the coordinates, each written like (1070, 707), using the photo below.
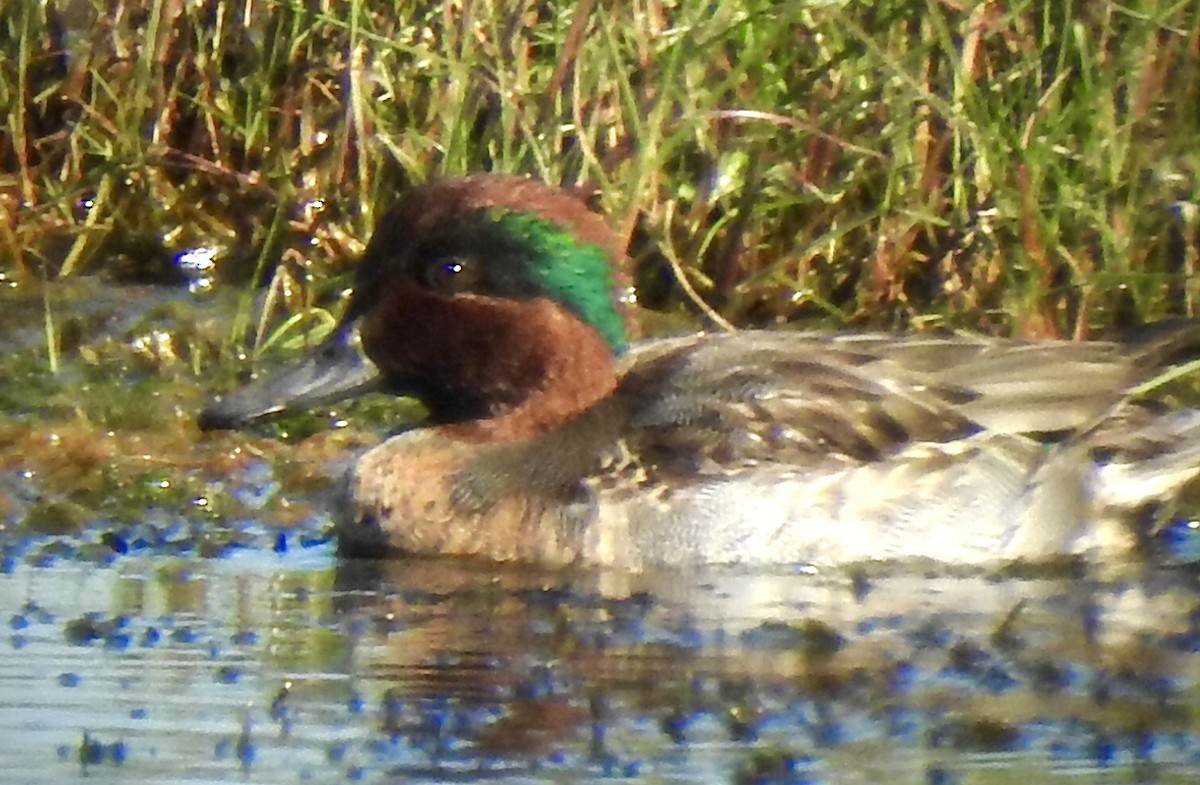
(263, 666)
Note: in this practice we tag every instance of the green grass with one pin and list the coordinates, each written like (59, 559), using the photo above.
(1026, 167)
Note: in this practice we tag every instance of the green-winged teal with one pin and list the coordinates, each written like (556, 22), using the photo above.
(555, 437)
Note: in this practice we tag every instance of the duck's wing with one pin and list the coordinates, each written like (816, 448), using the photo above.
(707, 403)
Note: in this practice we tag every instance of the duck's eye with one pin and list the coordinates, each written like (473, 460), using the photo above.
(451, 275)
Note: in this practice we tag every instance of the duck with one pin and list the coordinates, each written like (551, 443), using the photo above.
(556, 435)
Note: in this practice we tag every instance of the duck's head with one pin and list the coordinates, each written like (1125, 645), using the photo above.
(500, 302)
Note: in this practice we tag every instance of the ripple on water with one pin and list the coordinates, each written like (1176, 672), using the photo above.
(282, 665)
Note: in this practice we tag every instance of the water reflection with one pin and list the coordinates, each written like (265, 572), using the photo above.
(270, 667)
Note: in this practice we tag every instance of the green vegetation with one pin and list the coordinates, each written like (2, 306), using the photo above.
(1028, 167)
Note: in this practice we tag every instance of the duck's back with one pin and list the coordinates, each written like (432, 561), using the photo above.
(798, 447)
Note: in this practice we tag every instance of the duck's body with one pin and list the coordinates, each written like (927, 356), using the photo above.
(755, 448)
(555, 439)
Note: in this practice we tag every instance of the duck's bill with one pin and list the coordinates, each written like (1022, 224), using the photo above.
(335, 371)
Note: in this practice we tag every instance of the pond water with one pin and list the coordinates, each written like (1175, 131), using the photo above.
(287, 665)
(171, 612)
